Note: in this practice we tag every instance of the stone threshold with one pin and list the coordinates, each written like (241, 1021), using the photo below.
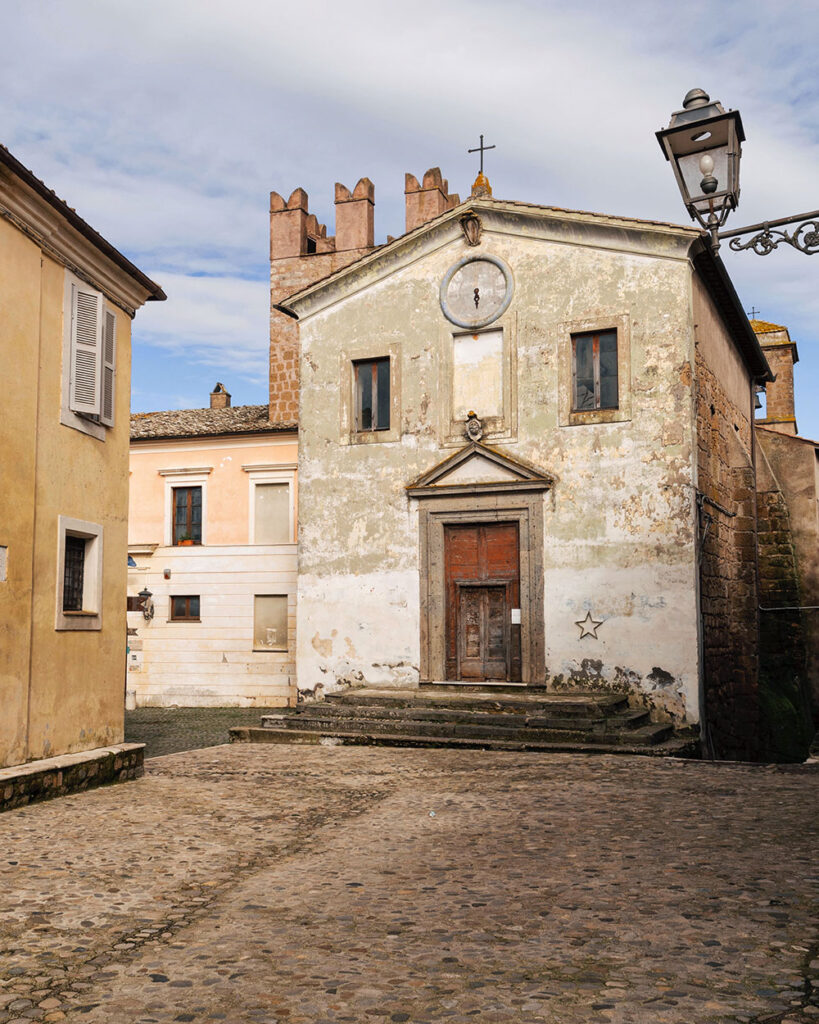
(23, 784)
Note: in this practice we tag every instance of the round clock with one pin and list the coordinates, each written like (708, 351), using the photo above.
(476, 290)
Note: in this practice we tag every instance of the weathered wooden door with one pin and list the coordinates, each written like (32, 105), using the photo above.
(483, 587)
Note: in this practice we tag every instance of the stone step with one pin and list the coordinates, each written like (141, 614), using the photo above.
(339, 713)
(532, 702)
(517, 729)
(673, 747)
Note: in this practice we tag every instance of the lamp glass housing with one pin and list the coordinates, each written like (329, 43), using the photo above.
(691, 133)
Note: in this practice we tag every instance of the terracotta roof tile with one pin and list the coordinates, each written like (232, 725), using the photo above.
(239, 419)
(763, 327)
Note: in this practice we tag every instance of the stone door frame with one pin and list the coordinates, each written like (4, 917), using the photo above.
(435, 512)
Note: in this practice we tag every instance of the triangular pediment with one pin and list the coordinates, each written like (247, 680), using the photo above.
(477, 467)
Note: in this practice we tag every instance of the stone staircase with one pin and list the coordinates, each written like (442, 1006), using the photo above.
(501, 718)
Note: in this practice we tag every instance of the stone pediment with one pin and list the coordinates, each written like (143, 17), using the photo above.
(475, 469)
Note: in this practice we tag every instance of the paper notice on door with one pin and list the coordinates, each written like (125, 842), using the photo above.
(516, 616)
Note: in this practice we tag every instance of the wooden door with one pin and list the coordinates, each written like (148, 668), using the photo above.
(482, 587)
(483, 636)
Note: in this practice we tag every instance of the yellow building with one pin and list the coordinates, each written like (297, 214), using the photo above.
(212, 538)
(67, 298)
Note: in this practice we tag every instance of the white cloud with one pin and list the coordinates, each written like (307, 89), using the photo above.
(166, 123)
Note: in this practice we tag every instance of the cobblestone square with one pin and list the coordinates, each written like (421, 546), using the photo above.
(329, 884)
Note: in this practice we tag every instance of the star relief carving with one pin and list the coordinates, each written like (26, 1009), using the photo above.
(589, 626)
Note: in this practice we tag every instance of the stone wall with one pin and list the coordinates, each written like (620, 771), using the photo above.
(728, 591)
(786, 729)
(69, 773)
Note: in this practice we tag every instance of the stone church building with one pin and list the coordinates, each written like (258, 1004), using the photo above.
(526, 454)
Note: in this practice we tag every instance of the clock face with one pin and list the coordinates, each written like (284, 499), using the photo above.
(476, 290)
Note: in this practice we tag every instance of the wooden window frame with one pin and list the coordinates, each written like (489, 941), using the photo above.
(361, 366)
(187, 598)
(190, 488)
(562, 334)
(595, 337)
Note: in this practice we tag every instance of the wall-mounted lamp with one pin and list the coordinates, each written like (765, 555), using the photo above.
(145, 597)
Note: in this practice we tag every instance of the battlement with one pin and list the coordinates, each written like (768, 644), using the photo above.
(294, 231)
(429, 199)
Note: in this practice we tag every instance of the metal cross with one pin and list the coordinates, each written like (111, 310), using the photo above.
(754, 312)
(480, 149)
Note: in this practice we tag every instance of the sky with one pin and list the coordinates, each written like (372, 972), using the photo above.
(166, 123)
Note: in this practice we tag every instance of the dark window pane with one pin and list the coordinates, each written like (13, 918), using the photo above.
(364, 373)
(383, 416)
(178, 607)
(583, 357)
(608, 370)
(74, 573)
(193, 607)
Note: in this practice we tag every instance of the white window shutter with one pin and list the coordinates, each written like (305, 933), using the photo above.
(109, 359)
(86, 351)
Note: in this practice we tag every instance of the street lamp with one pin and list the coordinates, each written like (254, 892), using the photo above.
(703, 143)
(145, 596)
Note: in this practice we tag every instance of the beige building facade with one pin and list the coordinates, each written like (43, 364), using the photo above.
(67, 299)
(212, 535)
(514, 424)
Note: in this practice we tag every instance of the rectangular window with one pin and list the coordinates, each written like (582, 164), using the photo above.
(271, 524)
(73, 573)
(270, 622)
(594, 371)
(372, 394)
(185, 609)
(187, 515)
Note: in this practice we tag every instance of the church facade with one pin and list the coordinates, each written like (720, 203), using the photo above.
(526, 456)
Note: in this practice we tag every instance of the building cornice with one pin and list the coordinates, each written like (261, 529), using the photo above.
(60, 232)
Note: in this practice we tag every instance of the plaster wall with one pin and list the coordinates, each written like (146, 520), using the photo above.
(619, 520)
(19, 348)
(61, 691)
(795, 465)
(210, 662)
(227, 484)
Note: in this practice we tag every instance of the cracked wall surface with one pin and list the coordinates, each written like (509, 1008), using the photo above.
(619, 522)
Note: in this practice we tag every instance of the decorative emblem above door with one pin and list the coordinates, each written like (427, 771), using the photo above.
(476, 290)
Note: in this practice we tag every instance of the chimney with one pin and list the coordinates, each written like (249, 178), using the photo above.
(781, 353)
(355, 227)
(429, 199)
(219, 397)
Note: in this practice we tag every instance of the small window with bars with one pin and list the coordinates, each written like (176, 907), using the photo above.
(594, 371)
(185, 608)
(187, 515)
(372, 394)
(74, 573)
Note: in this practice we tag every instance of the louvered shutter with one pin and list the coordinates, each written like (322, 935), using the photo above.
(86, 351)
(109, 356)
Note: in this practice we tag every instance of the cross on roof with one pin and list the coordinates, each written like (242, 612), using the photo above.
(480, 149)
(754, 312)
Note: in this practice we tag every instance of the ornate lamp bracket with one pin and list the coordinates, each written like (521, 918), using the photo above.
(805, 238)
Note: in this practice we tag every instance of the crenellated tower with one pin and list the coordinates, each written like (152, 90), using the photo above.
(302, 252)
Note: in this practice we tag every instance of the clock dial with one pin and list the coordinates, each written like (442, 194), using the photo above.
(476, 291)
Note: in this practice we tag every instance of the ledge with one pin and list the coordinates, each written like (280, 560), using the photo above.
(23, 784)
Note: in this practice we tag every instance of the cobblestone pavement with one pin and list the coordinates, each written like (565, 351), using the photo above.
(342, 884)
(169, 730)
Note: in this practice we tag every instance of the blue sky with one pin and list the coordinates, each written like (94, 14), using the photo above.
(166, 124)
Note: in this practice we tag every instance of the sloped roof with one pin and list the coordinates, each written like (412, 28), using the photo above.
(479, 203)
(764, 327)
(239, 419)
(156, 294)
